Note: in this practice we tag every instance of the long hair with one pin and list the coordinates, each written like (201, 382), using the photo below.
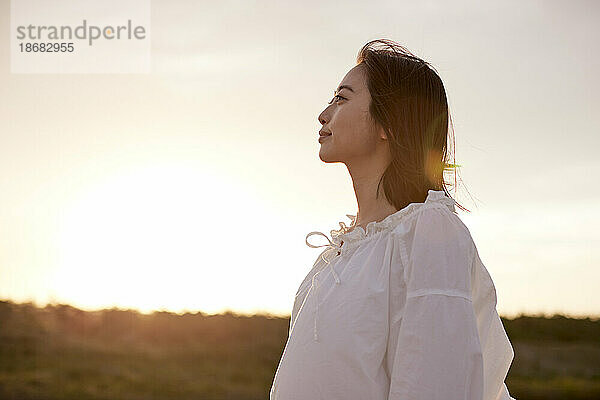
(408, 100)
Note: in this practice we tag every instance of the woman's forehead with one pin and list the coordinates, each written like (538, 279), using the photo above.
(354, 80)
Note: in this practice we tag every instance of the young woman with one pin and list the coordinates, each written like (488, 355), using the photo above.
(398, 305)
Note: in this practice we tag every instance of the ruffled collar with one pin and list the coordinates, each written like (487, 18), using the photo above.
(358, 233)
(352, 238)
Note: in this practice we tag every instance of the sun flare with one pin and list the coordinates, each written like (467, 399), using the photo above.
(148, 238)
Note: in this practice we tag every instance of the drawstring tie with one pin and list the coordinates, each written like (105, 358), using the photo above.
(331, 246)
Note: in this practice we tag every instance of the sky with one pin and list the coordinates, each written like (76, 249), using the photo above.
(192, 188)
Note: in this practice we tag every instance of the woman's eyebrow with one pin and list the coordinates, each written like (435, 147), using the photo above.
(344, 87)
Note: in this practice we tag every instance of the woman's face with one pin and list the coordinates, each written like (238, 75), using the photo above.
(353, 134)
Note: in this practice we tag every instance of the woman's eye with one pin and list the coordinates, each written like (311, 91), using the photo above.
(334, 97)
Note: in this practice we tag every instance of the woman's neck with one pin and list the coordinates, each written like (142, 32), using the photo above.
(378, 213)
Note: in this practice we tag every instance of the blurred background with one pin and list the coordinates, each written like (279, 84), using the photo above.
(152, 225)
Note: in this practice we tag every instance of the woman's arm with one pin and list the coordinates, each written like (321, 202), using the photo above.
(434, 351)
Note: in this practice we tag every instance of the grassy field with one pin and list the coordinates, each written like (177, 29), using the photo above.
(60, 352)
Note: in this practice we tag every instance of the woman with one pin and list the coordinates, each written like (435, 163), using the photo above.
(399, 305)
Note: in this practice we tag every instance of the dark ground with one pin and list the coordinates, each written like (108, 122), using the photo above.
(60, 352)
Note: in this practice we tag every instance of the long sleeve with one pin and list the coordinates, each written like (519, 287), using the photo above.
(434, 351)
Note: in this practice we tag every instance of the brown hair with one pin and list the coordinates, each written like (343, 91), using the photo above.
(408, 100)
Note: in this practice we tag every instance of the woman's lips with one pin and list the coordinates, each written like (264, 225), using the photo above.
(322, 138)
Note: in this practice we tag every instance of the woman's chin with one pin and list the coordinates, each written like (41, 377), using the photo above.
(325, 156)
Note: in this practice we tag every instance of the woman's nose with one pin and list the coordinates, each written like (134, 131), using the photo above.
(321, 117)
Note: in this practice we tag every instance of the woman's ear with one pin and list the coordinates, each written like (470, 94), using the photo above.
(381, 133)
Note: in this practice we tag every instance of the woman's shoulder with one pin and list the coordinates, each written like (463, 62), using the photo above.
(436, 225)
(434, 213)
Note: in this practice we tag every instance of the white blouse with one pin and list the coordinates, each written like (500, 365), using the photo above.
(405, 310)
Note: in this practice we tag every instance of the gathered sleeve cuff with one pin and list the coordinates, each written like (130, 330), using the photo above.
(434, 351)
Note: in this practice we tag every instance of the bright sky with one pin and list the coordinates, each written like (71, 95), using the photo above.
(193, 188)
